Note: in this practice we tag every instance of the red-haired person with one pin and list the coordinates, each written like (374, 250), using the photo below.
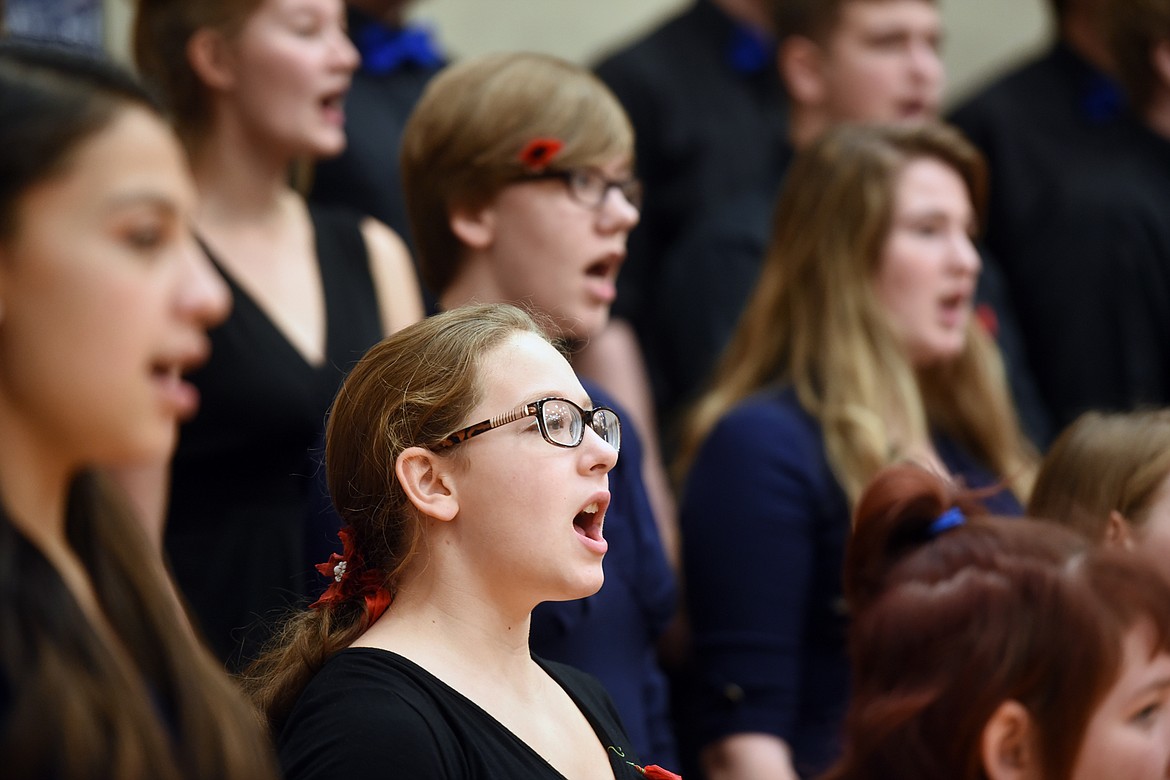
(993, 649)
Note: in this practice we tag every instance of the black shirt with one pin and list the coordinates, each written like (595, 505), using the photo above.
(373, 713)
(709, 114)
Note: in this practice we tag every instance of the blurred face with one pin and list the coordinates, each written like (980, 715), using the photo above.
(1153, 535)
(928, 269)
(527, 507)
(1129, 734)
(882, 62)
(292, 67)
(104, 300)
(558, 254)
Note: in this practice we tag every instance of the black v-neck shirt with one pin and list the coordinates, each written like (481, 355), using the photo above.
(242, 474)
(374, 713)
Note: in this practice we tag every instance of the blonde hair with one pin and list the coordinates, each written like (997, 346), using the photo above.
(1104, 462)
(412, 389)
(815, 321)
(463, 141)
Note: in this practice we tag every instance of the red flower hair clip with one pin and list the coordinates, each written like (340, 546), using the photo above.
(655, 772)
(539, 153)
(351, 579)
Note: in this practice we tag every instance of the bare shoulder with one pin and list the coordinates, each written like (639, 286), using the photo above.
(395, 280)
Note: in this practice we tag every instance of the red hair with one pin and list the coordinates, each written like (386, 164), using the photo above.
(948, 626)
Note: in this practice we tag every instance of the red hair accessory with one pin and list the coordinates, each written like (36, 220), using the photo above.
(539, 153)
(351, 579)
(985, 316)
(655, 772)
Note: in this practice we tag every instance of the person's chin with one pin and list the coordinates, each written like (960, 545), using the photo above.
(588, 324)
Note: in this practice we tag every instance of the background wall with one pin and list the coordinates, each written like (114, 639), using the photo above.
(983, 36)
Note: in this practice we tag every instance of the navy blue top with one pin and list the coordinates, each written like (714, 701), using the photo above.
(612, 634)
(764, 527)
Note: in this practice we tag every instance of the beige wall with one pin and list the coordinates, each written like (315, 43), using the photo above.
(983, 35)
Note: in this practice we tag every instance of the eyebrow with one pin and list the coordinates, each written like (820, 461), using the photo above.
(136, 198)
(588, 404)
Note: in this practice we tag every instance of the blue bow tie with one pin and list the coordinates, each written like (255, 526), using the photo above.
(385, 50)
(750, 50)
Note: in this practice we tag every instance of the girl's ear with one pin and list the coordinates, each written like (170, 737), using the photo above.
(428, 482)
(1119, 531)
(1160, 59)
(1008, 744)
(799, 60)
(207, 51)
(474, 227)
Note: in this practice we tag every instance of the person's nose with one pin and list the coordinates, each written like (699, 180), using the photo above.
(345, 54)
(965, 255)
(926, 64)
(597, 455)
(617, 213)
(203, 295)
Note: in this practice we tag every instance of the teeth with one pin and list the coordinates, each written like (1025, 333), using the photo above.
(591, 509)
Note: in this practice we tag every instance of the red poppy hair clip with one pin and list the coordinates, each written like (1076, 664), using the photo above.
(539, 153)
(351, 579)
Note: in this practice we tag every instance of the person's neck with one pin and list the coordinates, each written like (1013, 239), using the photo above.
(1080, 32)
(456, 631)
(237, 181)
(1157, 114)
(751, 12)
(391, 13)
(34, 484)
(34, 488)
(805, 125)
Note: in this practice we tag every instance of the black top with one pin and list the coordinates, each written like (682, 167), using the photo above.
(1096, 287)
(373, 713)
(239, 493)
(1078, 219)
(1037, 125)
(708, 110)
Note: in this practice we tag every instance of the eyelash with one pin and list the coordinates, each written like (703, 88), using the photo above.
(1147, 713)
(145, 238)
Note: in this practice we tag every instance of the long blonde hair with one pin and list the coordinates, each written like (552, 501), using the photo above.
(815, 322)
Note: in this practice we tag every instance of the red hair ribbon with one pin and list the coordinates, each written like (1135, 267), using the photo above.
(539, 153)
(986, 316)
(351, 578)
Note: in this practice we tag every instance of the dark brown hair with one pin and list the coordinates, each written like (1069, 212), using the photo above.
(812, 19)
(148, 701)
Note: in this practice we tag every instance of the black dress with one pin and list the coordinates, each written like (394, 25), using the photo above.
(373, 713)
(236, 527)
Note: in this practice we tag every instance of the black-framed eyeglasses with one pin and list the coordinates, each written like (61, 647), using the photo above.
(589, 186)
(561, 423)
